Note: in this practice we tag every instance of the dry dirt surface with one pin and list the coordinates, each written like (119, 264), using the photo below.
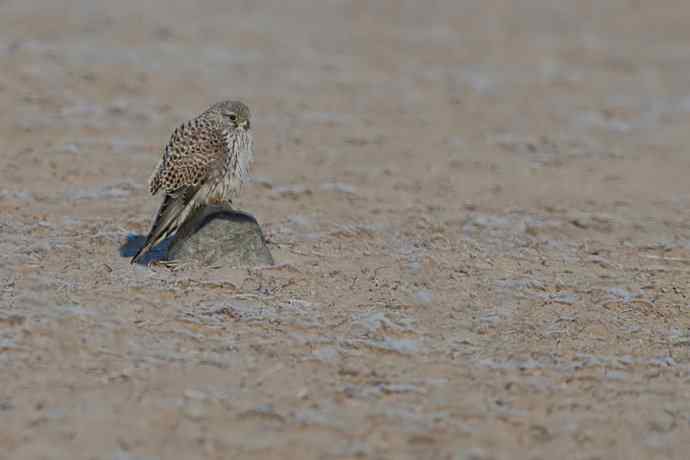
(478, 209)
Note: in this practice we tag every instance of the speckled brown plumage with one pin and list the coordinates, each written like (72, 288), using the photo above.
(205, 161)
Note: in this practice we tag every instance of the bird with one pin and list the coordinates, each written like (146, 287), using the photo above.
(206, 161)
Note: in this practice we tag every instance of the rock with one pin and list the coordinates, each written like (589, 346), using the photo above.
(220, 235)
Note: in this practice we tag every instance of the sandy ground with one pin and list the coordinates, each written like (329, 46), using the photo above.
(479, 211)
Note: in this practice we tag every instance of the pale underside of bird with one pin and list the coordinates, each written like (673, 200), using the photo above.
(205, 162)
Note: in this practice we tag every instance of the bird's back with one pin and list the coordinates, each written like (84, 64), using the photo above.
(188, 158)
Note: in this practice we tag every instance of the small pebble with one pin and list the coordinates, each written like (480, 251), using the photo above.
(424, 297)
(191, 393)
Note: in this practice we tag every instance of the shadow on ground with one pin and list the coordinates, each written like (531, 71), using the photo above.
(134, 242)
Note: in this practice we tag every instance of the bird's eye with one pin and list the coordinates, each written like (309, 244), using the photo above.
(232, 117)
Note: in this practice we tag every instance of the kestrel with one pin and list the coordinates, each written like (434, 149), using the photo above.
(206, 161)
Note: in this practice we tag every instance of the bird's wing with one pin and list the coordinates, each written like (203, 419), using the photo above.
(187, 158)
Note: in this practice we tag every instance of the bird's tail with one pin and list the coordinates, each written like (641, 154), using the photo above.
(172, 212)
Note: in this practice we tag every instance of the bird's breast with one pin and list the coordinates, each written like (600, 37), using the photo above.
(227, 180)
(238, 153)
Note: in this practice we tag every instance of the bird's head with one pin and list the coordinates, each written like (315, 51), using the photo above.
(233, 113)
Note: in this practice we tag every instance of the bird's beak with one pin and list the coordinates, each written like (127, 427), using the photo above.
(245, 124)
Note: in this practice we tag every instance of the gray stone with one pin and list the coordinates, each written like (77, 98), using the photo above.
(220, 235)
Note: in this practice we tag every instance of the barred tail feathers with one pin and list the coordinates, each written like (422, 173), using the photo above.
(172, 212)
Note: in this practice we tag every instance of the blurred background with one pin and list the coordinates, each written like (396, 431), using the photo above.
(479, 208)
(351, 88)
